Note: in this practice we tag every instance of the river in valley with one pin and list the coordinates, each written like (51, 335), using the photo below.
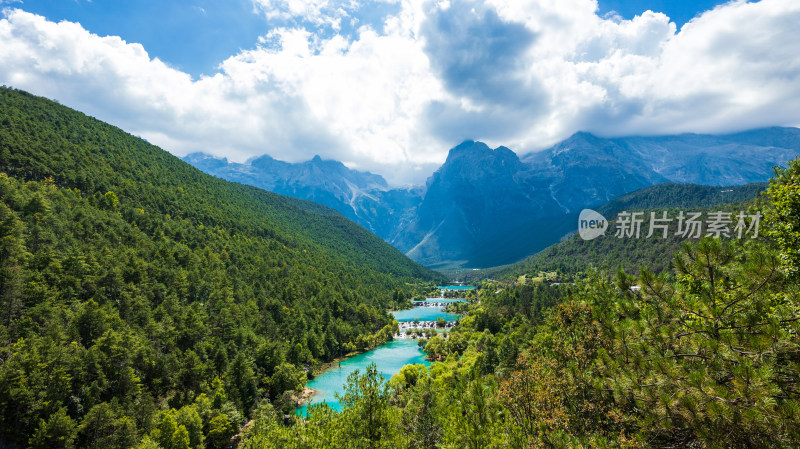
(389, 358)
(424, 314)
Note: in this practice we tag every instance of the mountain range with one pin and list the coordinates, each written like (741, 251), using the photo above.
(486, 207)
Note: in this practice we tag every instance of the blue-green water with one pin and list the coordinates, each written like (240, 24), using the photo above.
(424, 314)
(389, 358)
(440, 300)
(455, 287)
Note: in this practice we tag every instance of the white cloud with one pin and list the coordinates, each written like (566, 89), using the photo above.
(522, 73)
(735, 67)
(318, 12)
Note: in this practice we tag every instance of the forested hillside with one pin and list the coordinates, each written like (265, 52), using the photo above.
(689, 196)
(144, 301)
(575, 255)
(706, 358)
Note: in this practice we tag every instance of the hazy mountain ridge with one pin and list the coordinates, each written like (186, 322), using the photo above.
(360, 196)
(486, 206)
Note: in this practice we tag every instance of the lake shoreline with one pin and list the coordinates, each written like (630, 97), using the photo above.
(389, 358)
(305, 396)
(322, 367)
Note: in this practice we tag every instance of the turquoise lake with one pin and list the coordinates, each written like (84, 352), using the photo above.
(424, 314)
(389, 358)
(455, 287)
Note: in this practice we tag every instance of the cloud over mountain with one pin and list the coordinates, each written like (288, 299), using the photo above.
(393, 96)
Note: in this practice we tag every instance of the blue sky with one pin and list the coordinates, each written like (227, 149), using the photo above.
(679, 11)
(390, 85)
(194, 36)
